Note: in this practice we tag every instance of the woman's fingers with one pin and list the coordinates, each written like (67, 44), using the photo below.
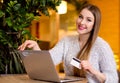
(29, 44)
(24, 45)
(85, 65)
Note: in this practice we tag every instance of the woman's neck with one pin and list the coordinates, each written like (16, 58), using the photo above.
(83, 39)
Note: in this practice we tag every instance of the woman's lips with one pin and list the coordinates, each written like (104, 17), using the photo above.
(81, 27)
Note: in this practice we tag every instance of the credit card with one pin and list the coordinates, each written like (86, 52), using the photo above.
(75, 62)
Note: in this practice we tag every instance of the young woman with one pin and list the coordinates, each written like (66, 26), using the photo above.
(97, 61)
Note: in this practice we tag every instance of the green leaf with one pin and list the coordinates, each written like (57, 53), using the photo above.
(17, 7)
(43, 3)
(25, 32)
(1, 13)
(12, 3)
(10, 65)
(45, 11)
(8, 10)
(9, 21)
(29, 16)
(16, 61)
(58, 2)
(37, 18)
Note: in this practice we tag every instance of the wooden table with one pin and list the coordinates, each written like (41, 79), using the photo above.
(23, 78)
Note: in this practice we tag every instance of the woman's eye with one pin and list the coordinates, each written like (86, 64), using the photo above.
(89, 20)
(80, 16)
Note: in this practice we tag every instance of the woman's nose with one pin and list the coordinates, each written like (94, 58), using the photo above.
(83, 21)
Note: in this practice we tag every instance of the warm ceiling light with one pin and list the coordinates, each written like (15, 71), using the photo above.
(1, 1)
(62, 8)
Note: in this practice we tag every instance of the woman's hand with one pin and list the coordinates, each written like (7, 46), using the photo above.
(30, 44)
(87, 67)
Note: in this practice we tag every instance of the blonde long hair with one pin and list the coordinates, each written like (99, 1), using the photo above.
(84, 52)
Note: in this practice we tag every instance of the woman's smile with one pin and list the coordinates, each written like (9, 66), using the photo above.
(81, 27)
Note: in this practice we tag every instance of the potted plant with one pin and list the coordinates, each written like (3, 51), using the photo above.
(15, 17)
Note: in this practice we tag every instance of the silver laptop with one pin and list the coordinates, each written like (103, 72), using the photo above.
(39, 66)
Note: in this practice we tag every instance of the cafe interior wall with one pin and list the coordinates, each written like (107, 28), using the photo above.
(46, 30)
(55, 27)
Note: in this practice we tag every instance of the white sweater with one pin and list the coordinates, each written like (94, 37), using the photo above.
(101, 57)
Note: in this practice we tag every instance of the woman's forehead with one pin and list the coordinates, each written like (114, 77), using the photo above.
(87, 13)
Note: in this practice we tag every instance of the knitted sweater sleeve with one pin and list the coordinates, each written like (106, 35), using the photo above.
(108, 65)
(58, 51)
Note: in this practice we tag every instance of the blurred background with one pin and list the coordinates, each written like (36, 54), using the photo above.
(51, 29)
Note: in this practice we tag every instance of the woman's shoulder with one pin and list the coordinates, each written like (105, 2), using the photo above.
(102, 47)
(101, 42)
(100, 39)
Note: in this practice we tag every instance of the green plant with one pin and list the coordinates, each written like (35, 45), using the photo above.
(15, 18)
